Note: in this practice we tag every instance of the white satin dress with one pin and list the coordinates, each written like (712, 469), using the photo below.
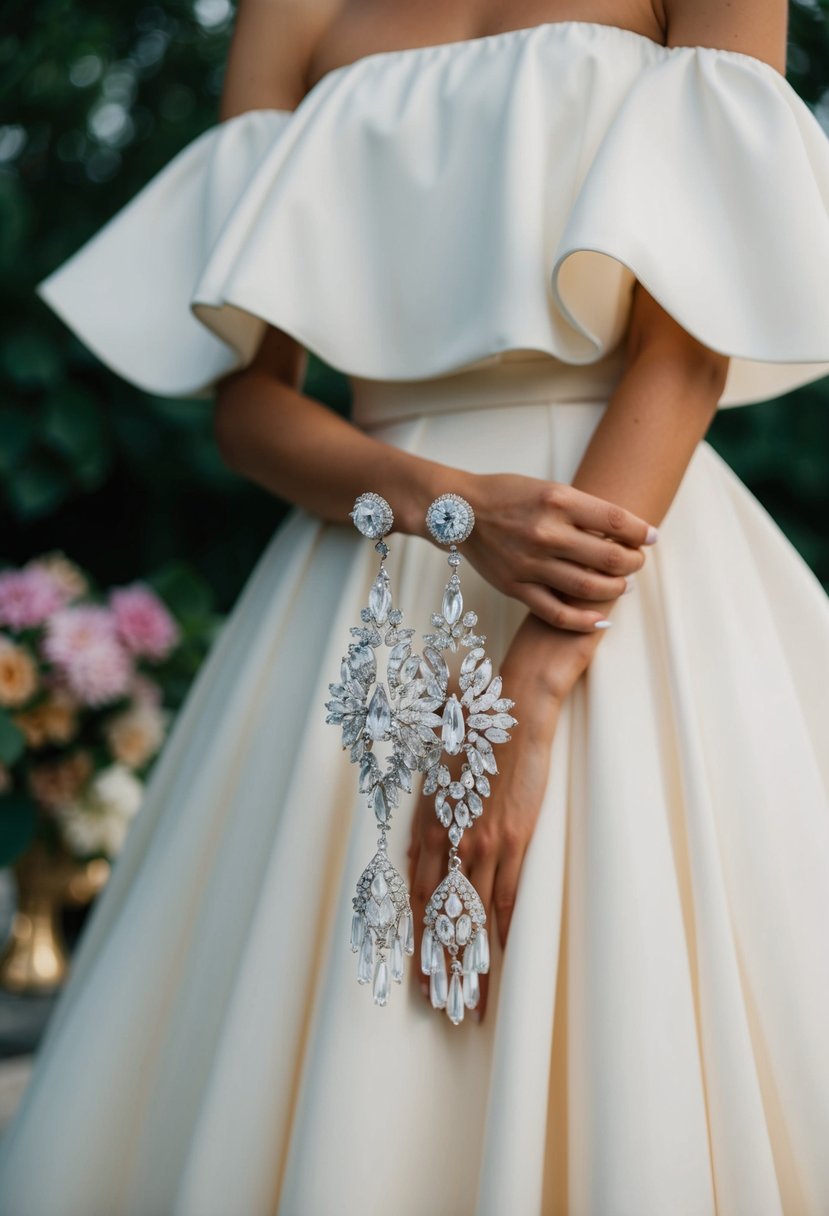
(458, 229)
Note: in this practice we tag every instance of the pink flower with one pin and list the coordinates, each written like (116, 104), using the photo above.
(28, 597)
(83, 643)
(143, 623)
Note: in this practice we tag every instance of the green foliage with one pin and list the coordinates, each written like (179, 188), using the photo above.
(102, 98)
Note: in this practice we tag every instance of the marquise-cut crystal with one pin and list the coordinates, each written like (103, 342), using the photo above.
(483, 787)
(426, 952)
(378, 720)
(475, 761)
(381, 806)
(482, 676)
(368, 773)
(471, 659)
(453, 904)
(462, 816)
(455, 834)
(453, 728)
(386, 910)
(437, 664)
(454, 1000)
(444, 813)
(381, 982)
(366, 959)
(379, 598)
(452, 604)
(463, 929)
(379, 886)
(363, 663)
(474, 803)
(497, 736)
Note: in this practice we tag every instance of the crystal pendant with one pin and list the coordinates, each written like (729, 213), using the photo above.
(471, 989)
(379, 598)
(452, 729)
(452, 604)
(454, 1000)
(358, 928)
(381, 982)
(480, 951)
(397, 959)
(438, 990)
(426, 952)
(406, 931)
(366, 959)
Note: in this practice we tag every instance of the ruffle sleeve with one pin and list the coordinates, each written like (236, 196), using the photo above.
(422, 210)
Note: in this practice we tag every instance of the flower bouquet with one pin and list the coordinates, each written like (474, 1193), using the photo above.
(88, 685)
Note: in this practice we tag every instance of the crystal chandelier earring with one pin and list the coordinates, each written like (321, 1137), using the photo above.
(455, 918)
(400, 713)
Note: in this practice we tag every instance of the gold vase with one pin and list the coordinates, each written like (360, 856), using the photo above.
(35, 959)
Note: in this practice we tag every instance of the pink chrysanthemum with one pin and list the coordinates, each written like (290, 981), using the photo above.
(82, 642)
(143, 623)
(28, 597)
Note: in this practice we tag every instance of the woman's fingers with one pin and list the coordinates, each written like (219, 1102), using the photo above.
(598, 515)
(579, 581)
(429, 868)
(553, 611)
(602, 556)
(482, 877)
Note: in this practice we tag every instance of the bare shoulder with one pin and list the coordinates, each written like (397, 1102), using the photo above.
(752, 27)
(269, 53)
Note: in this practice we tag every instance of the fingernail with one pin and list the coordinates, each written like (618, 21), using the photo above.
(630, 585)
(602, 624)
(653, 535)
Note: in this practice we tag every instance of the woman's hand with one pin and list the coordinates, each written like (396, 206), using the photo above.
(540, 669)
(543, 543)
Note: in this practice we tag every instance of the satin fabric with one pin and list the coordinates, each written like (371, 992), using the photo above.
(423, 209)
(655, 1040)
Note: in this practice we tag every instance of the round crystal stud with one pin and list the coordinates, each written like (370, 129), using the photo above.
(450, 519)
(372, 516)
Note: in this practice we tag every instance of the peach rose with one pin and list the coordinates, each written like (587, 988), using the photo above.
(18, 674)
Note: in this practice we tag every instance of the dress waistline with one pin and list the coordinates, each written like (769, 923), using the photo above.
(513, 377)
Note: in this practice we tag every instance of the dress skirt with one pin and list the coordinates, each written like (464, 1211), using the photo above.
(655, 1039)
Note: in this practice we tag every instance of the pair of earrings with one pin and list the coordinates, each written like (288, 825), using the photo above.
(422, 723)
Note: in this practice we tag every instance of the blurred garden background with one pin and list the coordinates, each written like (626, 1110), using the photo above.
(96, 98)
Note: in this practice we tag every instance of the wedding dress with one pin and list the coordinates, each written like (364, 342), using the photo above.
(458, 229)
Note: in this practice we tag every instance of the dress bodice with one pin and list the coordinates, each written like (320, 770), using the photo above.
(424, 210)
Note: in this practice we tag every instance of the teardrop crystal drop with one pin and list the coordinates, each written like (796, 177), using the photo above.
(380, 988)
(379, 598)
(452, 727)
(468, 959)
(366, 959)
(454, 1000)
(379, 886)
(378, 720)
(358, 928)
(452, 604)
(397, 959)
(426, 952)
(453, 904)
(471, 989)
(438, 984)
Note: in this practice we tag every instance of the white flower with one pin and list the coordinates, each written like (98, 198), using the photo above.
(118, 790)
(98, 821)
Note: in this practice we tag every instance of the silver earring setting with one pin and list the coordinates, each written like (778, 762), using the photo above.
(399, 713)
(455, 920)
(421, 723)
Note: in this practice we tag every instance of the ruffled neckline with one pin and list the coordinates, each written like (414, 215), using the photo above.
(504, 38)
